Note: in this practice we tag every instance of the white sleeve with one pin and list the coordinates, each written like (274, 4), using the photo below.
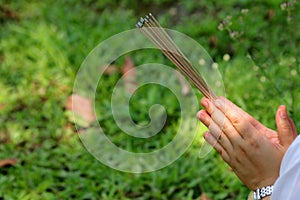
(287, 186)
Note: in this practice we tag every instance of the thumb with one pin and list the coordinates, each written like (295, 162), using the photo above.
(285, 126)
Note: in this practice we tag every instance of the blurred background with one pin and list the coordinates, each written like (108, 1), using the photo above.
(255, 45)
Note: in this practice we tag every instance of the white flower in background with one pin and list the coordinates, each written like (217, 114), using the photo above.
(215, 65)
(263, 79)
(255, 68)
(201, 62)
(226, 57)
(293, 72)
(244, 11)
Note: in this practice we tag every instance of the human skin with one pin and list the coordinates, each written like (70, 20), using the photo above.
(253, 151)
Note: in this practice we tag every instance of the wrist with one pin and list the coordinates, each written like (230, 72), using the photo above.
(263, 193)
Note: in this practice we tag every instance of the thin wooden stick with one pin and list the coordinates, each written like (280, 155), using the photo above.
(151, 28)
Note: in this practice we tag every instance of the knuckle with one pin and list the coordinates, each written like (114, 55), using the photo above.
(235, 120)
(233, 117)
(236, 158)
(220, 152)
(253, 143)
(225, 127)
(238, 155)
(212, 112)
(285, 126)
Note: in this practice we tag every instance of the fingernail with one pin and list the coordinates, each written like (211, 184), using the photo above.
(283, 114)
(201, 117)
(199, 114)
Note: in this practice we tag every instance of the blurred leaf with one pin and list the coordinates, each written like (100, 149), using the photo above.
(110, 69)
(8, 162)
(204, 197)
(81, 106)
(129, 74)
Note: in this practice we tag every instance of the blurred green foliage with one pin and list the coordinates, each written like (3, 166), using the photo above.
(42, 46)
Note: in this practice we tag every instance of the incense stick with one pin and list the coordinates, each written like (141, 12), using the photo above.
(151, 28)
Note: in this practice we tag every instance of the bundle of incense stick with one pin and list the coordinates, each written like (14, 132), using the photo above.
(151, 28)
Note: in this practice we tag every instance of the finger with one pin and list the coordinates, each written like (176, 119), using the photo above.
(215, 114)
(213, 141)
(204, 117)
(220, 136)
(215, 130)
(271, 134)
(224, 124)
(285, 126)
(208, 105)
(260, 127)
(238, 121)
(251, 119)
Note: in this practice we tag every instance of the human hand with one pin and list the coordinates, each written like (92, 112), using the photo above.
(252, 150)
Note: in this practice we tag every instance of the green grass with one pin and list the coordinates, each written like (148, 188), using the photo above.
(43, 44)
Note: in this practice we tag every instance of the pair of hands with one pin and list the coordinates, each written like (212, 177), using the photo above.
(253, 151)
